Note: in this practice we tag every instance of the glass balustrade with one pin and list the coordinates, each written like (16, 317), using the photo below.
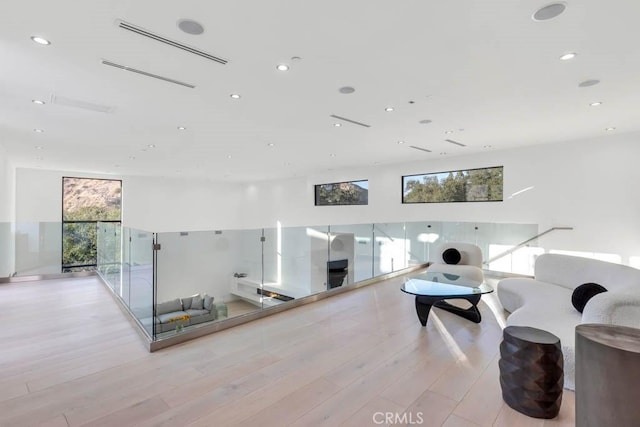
(196, 278)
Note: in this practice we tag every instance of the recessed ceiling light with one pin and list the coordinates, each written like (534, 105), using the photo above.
(39, 147)
(337, 125)
(389, 109)
(610, 129)
(282, 67)
(332, 155)
(40, 40)
(38, 130)
(229, 156)
(182, 128)
(424, 122)
(549, 11)
(235, 96)
(400, 142)
(296, 58)
(151, 145)
(271, 144)
(568, 56)
(595, 104)
(37, 101)
(190, 26)
(588, 83)
(346, 90)
(448, 132)
(487, 146)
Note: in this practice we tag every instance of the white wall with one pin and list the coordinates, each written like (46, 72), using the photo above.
(149, 203)
(173, 204)
(588, 185)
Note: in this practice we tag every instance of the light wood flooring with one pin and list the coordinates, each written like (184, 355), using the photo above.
(69, 357)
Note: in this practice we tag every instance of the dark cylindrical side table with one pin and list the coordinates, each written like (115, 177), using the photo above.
(607, 376)
(531, 371)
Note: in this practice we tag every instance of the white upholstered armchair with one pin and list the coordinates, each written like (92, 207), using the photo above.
(462, 259)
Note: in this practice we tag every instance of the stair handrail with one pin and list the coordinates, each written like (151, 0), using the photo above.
(521, 244)
(382, 232)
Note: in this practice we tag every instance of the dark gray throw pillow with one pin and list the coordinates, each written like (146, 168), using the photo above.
(196, 303)
(451, 256)
(583, 293)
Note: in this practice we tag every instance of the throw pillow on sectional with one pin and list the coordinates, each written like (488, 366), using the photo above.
(207, 302)
(451, 256)
(583, 293)
(197, 303)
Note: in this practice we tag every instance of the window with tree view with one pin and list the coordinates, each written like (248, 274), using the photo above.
(343, 193)
(85, 201)
(473, 185)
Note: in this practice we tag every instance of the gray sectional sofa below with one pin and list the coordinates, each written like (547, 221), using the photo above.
(184, 311)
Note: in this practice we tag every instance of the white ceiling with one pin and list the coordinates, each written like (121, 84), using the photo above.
(483, 69)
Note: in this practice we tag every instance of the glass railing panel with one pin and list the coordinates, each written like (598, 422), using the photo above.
(520, 261)
(459, 232)
(7, 249)
(249, 272)
(206, 276)
(423, 237)
(109, 254)
(301, 256)
(354, 243)
(125, 268)
(390, 248)
(140, 284)
(495, 239)
(38, 248)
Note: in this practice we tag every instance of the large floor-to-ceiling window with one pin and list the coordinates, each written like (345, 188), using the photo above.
(85, 201)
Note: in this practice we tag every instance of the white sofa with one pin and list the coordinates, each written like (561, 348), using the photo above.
(469, 266)
(544, 302)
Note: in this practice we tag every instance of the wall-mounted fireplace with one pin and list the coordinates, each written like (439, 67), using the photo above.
(336, 272)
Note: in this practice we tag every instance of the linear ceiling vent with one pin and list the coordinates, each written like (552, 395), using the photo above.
(350, 121)
(75, 103)
(455, 142)
(144, 73)
(420, 148)
(141, 31)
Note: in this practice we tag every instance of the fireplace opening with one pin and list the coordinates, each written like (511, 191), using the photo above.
(336, 272)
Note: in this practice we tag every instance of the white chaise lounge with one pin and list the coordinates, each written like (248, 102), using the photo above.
(544, 302)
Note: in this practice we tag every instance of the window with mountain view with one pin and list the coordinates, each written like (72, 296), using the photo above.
(343, 193)
(85, 201)
(473, 185)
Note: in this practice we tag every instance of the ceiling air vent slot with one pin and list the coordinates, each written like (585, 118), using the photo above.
(144, 73)
(141, 31)
(455, 142)
(350, 121)
(76, 103)
(420, 148)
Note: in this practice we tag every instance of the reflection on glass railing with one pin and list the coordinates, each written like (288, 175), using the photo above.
(38, 248)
